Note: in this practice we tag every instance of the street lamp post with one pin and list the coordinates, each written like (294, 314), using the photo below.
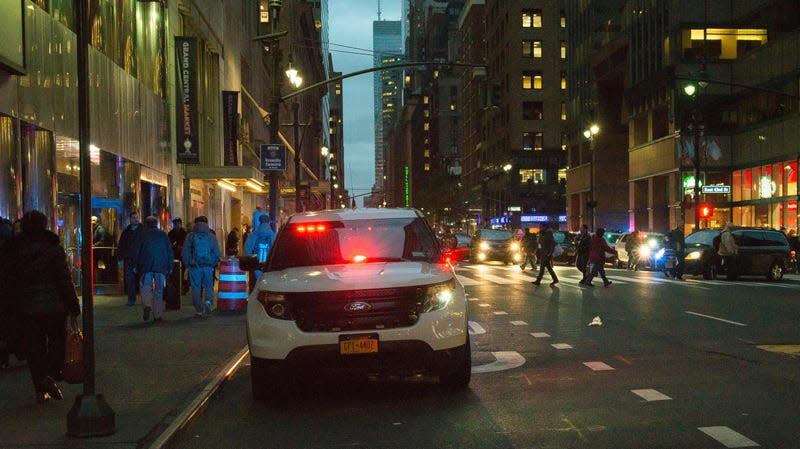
(274, 128)
(590, 134)
(296, 80)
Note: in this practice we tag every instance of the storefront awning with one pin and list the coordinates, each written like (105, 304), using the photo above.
(249, 178)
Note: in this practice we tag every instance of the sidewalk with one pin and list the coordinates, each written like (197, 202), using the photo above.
(149, 374)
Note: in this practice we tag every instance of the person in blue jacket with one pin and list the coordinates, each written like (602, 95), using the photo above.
(201, 254)
(153, 262)
(260, 241)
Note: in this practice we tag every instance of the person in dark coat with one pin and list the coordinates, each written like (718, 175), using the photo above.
(530, 243)
(177, 236)
(153, 258)
(582, 246)
(597, 258)
(7, 316)
(232, 243)
(125, 246)
(545, 254)
(45, 297)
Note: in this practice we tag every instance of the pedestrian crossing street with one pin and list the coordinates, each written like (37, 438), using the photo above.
(478, 274)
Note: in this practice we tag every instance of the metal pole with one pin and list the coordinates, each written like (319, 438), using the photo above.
(90, 415)
(296, 126)
(275, 124)
(593, 203)
(698, 134)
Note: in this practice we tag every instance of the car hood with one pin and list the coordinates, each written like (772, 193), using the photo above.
(354, 276)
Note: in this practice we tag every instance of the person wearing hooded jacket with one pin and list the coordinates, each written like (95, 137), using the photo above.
(260, 241)
(728, 249)
(46, 296)
(153, 258)
(201, 255)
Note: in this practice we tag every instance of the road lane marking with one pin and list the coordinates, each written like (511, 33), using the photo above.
(651, 395)
(561, 346)
(473, 299)
(736, 323)
(504, 360)
(484, 305)
(497, 279)
(500, 312)
(728, 436)
(518, 323)
(785, 349)
(598, 366)
(475, 328)
(540, 334)
(465, 281)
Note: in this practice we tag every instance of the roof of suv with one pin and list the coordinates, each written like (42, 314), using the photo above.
(354, 214)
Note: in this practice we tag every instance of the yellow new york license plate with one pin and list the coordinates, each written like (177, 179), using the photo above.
(358, 344)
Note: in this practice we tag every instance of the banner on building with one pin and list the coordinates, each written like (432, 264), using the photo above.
(230, 118)
(187, 132)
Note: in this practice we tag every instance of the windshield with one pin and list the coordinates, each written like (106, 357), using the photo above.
(495, 234)
(355, 241)
(701, 238)
(562, 237)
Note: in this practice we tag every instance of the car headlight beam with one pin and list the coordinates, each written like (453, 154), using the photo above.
(438, 296)
(694, 255)
(484, 246)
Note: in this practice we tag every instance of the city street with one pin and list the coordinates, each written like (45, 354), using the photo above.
(647, 362)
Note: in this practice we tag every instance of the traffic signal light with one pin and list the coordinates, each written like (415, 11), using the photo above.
(690, 88)
(705, 210)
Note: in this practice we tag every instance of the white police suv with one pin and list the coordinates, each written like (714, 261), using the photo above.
(365, 290)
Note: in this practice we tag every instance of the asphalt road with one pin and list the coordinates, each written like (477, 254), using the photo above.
(694, 364)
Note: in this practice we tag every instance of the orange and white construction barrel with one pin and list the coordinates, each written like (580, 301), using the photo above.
(232, 289)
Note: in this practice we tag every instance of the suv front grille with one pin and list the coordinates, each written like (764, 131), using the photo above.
(373, 309)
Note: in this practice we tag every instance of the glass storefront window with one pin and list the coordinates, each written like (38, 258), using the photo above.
(790, 178)
(791, 216)
(777, 178)
(747, 183)
(736, 185)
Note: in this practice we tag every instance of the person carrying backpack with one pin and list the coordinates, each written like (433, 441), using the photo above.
(201, 254)
(260, 241)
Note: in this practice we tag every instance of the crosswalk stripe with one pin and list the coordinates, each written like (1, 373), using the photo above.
(498, 279)
(465, 281)
(728, 437)
(651, 395)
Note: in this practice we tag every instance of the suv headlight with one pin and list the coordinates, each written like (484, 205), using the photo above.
(644, 251)
(438, 296)
(275, 304)
(514, 246)
(484, 246)
(660, 253)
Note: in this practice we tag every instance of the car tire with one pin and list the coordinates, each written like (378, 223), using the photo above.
(775, 272)
(266, 378)
(456, 376)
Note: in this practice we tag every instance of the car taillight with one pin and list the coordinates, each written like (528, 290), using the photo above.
(438, 296)
(447, 257)
(310, 228)
(275, 304)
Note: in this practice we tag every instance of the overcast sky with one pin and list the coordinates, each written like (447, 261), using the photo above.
(351, 26)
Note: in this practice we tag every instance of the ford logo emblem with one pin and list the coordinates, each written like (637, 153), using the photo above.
(358, 307)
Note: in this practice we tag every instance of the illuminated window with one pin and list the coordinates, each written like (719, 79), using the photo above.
(563, 110)
(563, 141)
(563, 80)
(452, 106)
(426, 99)
(720, 43)
(427, 167)
(531, 80)
(562, 175)
(563, 19)
(426, 126)
(532, 141)
(427, 153)
(426, 113)
(532, 18)
(563, 50)
(532, 175)
(531, 48)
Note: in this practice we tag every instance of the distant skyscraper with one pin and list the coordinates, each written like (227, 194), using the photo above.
(387, 45)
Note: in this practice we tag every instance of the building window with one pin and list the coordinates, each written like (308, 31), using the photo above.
(427, 153)
(563, 141)
(563, 80)
(563, 110)
(532, 175)
(532, 18)
(426, 99)
(532, 110)
(532, 140)
(427, 167)
(562, 175)
(531, 48)
(426, 126)
(563, 19)
(426, 113)
(563, 50)
(720, 43)
(452, 106)
(531, 80)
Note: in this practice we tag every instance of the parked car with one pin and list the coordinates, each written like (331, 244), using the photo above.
(361, 290)
(495, 244)
(612, 238)
(567, 242)
(762, 252)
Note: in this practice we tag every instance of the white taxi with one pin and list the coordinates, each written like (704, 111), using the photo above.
(364, 290)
